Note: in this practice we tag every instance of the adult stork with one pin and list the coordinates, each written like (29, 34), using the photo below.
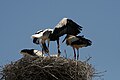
(31, 52)
(65, 26)
(40, 37)
(77, 42)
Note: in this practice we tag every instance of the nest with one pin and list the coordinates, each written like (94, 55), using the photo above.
(47, 68)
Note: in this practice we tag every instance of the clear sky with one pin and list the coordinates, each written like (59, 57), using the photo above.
(19, 19)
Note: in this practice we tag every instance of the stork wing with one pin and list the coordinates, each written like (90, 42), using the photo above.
(47, 32)
(84, 40)
(67, 26)
(38, 34)
(36, 41)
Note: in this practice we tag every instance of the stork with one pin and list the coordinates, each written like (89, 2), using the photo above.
(77, 42)
(65, 26)
(40, 37)
(31, 52)
(43, 45)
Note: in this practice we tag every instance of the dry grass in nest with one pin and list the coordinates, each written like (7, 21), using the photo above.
(47, 68)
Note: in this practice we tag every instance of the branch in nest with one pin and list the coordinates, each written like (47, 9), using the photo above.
(88, 59)
(99, 74)
(51, 74)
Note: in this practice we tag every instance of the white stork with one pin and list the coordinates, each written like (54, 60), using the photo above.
(31, 52)
(65, 26)
(77, 42)
(40, 37)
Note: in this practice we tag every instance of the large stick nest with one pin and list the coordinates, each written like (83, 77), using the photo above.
(47, 68)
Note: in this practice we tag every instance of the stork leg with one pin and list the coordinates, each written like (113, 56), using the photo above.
(77, 54)
(48, 43)
(42, 50)
(58, 46)
(45, 48)
(74, 53)
(41, 41)
(48, 47)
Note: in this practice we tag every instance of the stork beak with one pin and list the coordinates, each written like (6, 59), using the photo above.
(64, 39)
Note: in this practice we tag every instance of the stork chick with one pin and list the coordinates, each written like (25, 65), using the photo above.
(31, 52)
(77, 42)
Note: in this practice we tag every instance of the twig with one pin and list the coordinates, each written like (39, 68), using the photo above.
(88, 59)
(51, 74)
(47, 66)
(100, 72)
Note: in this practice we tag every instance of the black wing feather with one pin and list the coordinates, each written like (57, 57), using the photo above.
(69, 27)
(29, 51)
(73, 28)
(36, 41)
(82, 41)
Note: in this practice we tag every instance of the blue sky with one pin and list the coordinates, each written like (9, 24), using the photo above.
(100, 20)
